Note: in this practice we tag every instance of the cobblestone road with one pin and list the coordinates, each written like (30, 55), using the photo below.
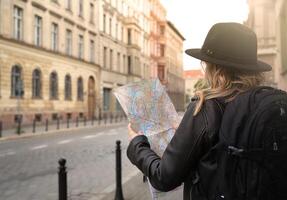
(28, 166)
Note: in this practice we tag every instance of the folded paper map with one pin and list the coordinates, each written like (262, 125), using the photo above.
(149, 110)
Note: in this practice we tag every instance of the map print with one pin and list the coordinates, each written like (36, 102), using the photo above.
(149, 110)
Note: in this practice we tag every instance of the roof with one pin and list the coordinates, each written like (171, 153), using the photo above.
(195, 73)
(175, 30)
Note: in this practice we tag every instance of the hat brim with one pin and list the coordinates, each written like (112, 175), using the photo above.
(259, 66)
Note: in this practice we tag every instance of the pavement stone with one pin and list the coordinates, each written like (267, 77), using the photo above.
(136, 189)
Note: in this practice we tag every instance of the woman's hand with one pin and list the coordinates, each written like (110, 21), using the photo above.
(131, 133)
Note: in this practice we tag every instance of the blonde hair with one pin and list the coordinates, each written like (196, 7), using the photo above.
(225, 82)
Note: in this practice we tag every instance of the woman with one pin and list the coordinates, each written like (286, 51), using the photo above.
(229, 55)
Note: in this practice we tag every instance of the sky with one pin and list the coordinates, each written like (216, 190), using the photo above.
(193, 18)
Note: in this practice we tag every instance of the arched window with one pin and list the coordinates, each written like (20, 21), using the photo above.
(68, 87)
(36, 84)
(17, 89)
(80, 89)
(53, 85)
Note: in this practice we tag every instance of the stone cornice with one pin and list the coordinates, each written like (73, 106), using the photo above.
(38, 5)
(55, 14)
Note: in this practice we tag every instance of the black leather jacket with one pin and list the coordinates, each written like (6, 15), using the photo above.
(193, 138)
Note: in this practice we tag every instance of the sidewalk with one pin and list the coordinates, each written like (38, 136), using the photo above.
(136, 189)
(40, 129)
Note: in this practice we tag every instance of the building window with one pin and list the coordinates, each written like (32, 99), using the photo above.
(18, 23)
(122, 32)
(119, 61)
(129, 65)
(69, 4)
(161, 72)
(38, 117)
(80, 89)
(16, 82)
(129, 36)
(36, 84)
(162, 30)
(124, 63)
(69, 42)
(117, 27)
(81, 47)
(55, 116)
(110, 26)
(37, 30)
(92, 13)
(107, 94)
(105, 57)
(81, 8)
(53, 85)
(54, 36)
(104, 23)
(111, 59)
(162, 48)
(92, 51)
(68, 87)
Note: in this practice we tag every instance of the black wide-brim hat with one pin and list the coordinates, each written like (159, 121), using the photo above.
(230, 45)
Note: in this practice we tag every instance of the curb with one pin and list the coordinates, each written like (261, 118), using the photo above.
(66, 130)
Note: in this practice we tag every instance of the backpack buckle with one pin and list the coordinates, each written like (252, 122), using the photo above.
(231, 150)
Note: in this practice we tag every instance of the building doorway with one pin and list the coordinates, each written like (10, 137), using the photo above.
(91, 97)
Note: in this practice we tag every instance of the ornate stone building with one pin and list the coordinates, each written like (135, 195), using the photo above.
(62, 58)
(48, 61)
(268, 19)
(173, 72)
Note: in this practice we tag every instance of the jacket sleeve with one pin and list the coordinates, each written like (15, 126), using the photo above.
(181, 155)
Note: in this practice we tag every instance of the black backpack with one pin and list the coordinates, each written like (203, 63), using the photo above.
(250, 159)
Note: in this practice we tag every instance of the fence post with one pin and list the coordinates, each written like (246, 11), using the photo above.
(111, 118)
(19, 127)
(1, 129)
(58, 123)
(105, 117)
(62, 179)
(47, 124)
(119, 191)
(68, 120)
(77, 121)
(34, 125)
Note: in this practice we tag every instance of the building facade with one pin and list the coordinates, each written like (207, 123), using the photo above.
(172, 74)
(268, 20)
(48, 63)
(63, 58)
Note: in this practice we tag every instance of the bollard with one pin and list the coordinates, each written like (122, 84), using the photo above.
(68, 123)
(116, 118)
(119, 191)
(62, 179)
(47, 124)
(77, 121)
(1, 129)
(19, 127)
(105, 118)
(34, 126)
(111, 118)
(85, 121)
(58, 123)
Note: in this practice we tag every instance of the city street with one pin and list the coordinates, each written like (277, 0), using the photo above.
(29, 166)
